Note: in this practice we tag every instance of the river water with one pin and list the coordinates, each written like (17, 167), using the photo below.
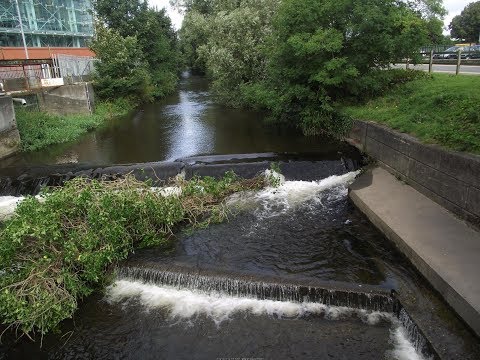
(303, 232)
(187, 123)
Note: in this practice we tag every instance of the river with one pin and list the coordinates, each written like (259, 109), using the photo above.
(234, 290)
(188, 122)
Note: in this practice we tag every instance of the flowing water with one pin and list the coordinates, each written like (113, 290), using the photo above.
(186, 123)
(296, 273)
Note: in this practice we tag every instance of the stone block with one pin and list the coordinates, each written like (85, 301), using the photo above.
(9, 142)
(425, 154)
(473, 201)
(441, 184)
(387, 155)
(395, 140)
(7, 114)
(465, 167)
(358, 133)
(67, 99)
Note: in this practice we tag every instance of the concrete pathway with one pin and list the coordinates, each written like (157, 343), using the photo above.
(443, 248)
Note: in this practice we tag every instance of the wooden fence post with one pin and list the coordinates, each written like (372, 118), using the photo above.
(430, 64)
(459, 61)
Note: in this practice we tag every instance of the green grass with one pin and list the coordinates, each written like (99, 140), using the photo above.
(441, 109)
(39, 129)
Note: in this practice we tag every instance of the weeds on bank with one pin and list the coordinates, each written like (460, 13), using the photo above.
(57, 249)
(40, 129)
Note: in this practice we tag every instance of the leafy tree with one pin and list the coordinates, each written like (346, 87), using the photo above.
(226, 39)
(466, 26)
(324, 51)
(121, 70)
(156, 39)
(125, 16)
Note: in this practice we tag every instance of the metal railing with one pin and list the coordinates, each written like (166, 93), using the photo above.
(23, 77)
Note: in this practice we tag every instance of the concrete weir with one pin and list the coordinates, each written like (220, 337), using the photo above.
(442, 247)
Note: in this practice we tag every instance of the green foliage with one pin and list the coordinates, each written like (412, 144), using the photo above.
(120, 70)
(466, 26)
(227, 40)
(147, 44)
(442, 109)
(40, 129)
(316, 59)
(297, 58)
(57, 249)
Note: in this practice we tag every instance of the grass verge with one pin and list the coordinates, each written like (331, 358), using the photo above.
(57, 249)
(442, 109)
(40, 129)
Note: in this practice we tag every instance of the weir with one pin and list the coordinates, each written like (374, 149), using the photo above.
(263, 288)
(17, 181)
(334, 294)
(322, 221)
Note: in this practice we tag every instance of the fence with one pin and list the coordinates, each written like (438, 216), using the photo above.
(468, 55)
(21, 77)
(73, 68)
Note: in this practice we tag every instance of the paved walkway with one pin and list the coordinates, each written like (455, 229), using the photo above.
(443, 248)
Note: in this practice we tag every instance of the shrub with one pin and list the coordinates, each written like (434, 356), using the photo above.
(40, 129)
(57, 249)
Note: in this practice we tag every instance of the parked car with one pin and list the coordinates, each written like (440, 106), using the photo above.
(452, 53)
(473, 52)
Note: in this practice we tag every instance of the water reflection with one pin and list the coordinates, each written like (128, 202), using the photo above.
(189, 135)
(189, 122)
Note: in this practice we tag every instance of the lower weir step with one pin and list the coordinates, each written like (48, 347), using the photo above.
(442, 247)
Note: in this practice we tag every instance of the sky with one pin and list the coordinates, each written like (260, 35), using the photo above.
(454, 7)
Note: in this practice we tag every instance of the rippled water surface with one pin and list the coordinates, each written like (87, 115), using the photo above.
(186, 123)
(300, 231)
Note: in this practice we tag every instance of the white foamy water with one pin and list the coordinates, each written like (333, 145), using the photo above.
(403, 349)
(187, 304)
(274, 201)
(8, 204)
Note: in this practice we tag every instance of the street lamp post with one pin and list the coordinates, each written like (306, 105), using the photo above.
(21, 29)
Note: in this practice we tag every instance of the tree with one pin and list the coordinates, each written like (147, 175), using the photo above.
(226, 39)
(156, 39)
(324, 51)
(298, 58)
(466, 26)
(120, 70)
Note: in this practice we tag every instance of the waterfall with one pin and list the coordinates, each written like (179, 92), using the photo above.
(262, 290)
(414, 334)
(169, 285)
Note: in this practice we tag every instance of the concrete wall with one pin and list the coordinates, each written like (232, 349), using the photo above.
(9, 136)
(67, 99)
(449, 178)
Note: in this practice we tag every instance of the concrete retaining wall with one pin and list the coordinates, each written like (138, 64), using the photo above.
(9, 136)
(67, 99)
(449, 178)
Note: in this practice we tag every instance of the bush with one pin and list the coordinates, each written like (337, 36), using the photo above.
(57, 249)
(40, 129)
(377, 82)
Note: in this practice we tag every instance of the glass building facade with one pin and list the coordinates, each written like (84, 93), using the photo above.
(46, 23)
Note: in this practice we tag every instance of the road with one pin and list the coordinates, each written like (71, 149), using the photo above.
(464, 69)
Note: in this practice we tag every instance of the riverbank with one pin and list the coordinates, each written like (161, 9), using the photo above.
(40, 129)
(64, 242)
(443, 248)
(441, 109)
